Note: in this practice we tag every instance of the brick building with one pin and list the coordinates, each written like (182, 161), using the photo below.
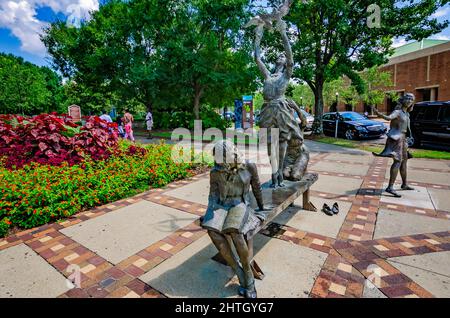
(421, 68)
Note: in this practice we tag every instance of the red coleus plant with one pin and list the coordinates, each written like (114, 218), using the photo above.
(54, 139)
(136, 151)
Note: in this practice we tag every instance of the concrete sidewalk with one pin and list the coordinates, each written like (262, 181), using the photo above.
(151, 245)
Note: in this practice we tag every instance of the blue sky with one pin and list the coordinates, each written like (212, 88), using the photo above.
(22, 20)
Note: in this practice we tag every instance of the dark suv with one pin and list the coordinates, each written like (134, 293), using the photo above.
(430, 124)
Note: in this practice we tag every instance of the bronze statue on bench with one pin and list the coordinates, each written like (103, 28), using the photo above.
(230, 217)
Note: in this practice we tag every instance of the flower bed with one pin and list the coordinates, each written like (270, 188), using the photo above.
(54, 139)
(37, 193)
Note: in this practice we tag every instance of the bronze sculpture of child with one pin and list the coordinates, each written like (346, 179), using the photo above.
(230, 218)
(399, 138)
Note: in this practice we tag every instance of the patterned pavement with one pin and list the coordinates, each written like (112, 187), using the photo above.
(360, 257)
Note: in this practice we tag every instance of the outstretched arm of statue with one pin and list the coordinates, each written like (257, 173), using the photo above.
(389, 118)
(256, 185)
(281, 26)
(261, 65)
(295, 107)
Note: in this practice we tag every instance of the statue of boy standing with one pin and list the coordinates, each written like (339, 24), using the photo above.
(397, 142)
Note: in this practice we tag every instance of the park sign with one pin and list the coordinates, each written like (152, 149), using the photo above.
(75, 113)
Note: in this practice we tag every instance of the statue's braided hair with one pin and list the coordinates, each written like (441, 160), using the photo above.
(227, 155)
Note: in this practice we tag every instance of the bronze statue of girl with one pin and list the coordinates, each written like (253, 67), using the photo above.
(277, 112)
(399, 138)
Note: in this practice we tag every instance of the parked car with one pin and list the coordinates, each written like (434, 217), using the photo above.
(352, 125)
(430, 124)
(309, 119)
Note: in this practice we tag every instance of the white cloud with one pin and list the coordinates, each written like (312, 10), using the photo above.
(399, 42)
(440, 37)
(441, 13)
(20, 17)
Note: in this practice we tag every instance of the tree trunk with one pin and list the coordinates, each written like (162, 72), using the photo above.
(318, 109)
(198, 95)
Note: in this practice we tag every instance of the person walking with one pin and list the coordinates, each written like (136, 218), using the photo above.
(106, 117)
(128, 120)
(149, 122)
(120, 127)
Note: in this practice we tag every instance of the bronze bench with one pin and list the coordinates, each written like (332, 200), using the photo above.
(276, 201)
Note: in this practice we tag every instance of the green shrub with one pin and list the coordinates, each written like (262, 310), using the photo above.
(211, 119)
(4, 226)
(181, 119)
(38, 194)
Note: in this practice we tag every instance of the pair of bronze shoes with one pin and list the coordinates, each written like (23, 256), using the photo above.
(330, 211)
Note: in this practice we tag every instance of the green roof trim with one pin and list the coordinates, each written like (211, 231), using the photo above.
(417, 46)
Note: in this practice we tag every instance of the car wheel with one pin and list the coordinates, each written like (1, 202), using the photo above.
(350, 135)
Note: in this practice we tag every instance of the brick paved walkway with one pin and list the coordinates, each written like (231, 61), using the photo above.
(151, 245)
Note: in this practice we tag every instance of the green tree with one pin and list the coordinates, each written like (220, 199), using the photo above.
(168, 54)
(335, 38)
(213, 57)
(96, 58)
(258, 101)
(57, 97)
(347, 93)
(26, 88)
(92, 102)
(303, 95)
(376, 82)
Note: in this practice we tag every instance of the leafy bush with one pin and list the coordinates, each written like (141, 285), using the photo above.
(4, 226)
(210, 119)
(165, 120)
(38, 194)
(52, 139)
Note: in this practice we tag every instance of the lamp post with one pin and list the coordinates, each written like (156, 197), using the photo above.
(301, 98)
(337, 102)
(337, 115)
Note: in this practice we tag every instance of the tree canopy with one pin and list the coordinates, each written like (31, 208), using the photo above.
(331, 39)
(26, 88)
(181, 55)
(168, 54)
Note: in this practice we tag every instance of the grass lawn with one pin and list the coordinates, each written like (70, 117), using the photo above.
(417, 153)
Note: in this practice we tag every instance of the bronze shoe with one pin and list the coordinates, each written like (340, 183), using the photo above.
(393, 192)
(335, 208)
(249, 293)
(327, 210)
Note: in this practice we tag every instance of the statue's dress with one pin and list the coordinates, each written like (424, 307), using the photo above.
(276, 112)
(396, 144)
(230, 189)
